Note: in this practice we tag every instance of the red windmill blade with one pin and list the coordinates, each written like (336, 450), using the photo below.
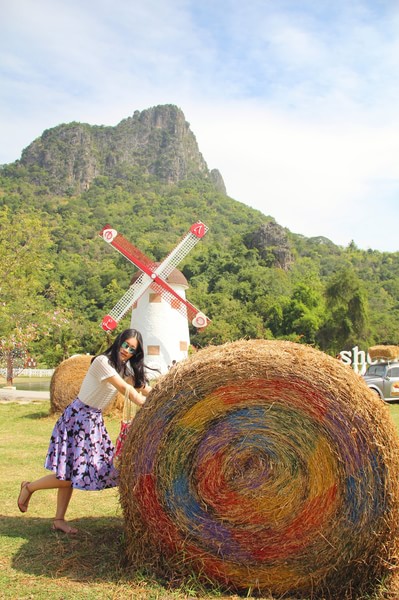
(154, 275)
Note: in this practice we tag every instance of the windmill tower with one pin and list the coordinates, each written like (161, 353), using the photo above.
(163, 325)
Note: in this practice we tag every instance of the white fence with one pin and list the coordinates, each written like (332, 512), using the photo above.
(29, 373)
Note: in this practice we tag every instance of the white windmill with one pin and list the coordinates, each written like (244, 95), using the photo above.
(160, 308)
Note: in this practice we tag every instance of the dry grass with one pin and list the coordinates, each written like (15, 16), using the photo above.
(384, 352)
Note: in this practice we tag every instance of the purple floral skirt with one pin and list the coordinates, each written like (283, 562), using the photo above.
(81, 450)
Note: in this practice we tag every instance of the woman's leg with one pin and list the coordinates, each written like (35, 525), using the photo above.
(44, 483)
(63, 497)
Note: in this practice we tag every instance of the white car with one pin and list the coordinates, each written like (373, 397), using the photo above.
(383, 379)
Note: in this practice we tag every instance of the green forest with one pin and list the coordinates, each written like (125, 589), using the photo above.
(249, 275)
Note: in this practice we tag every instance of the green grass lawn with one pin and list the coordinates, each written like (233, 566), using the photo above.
(38, 563)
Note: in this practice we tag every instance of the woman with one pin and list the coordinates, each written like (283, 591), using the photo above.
(80, 453)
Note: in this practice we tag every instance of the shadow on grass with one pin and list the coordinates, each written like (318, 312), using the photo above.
(95, 554)
(43, 414)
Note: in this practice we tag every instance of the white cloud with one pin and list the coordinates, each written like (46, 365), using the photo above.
(314, 178)
(295, 103)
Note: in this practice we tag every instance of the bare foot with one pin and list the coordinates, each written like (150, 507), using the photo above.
(24, 496)
(62, 525)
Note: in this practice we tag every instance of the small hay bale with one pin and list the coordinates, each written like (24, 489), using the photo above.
(66, 381)
(264, 465)
(384, 352)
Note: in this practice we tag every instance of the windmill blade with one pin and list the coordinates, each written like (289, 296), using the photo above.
(142, 262)
(192, 237)
(122, 245)
(135, 291)
(154, 275)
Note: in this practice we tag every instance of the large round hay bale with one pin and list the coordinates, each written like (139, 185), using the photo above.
(264, 465)
(66, 381)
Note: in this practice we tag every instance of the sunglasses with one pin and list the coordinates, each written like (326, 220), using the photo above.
(130, 349)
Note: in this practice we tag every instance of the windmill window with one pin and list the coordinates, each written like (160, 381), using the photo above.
(153, 350)
(155, 298)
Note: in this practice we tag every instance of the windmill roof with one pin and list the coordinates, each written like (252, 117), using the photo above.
(176, 277)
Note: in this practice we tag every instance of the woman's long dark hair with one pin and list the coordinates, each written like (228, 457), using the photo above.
(136, 361)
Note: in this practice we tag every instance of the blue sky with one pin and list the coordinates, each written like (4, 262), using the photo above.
(294, 101)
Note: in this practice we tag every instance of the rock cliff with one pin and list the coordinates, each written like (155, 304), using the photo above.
(272, 243)
(157, 141)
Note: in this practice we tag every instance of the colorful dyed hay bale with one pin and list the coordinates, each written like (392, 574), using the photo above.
(384, 352)
(264, 465)
(66, 381)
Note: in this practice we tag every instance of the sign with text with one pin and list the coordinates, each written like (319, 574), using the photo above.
(359, 360)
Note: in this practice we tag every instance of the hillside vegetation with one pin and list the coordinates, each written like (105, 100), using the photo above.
(147, 178)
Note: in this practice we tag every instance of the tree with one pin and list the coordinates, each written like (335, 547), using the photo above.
(346, 323)
(24, 264)
(303, 314)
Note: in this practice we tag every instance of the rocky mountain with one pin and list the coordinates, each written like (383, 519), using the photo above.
(270, 239)
(157, 141)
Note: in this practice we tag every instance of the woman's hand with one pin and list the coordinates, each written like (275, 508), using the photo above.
(145, 390)
(136, 396)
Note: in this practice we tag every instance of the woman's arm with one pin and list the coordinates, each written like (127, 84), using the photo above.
(138, 397)
(145, 389)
